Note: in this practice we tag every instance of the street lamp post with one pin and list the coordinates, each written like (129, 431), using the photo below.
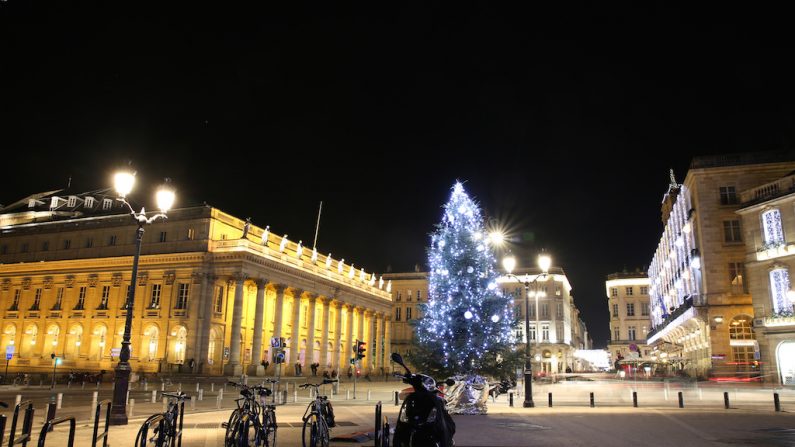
(124, 182)
(509, 262)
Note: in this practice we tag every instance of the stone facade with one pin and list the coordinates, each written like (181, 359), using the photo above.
(628, 305)
(701, 306)
(204, 292)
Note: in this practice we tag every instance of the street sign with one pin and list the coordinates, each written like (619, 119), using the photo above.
(115, 352)
(9, 355)
(10, 349)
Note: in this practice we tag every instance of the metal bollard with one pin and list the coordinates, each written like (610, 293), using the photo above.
(197, 387)
(397, 398)
(776, 402)
(700, 395)
(130, 408)
(154, 396)
(146, 385)
(284, 396)
(193, 402)
(347, 394)
(165, 404)
(59, 400)
(221, 393)
(592, 403)
(218, 401)
(635, 399)
(82, 385)
(97, 385)
(550, 400)
(368, 394)
(162, 386)
(201, 394)
(295, 396)
(212, 387)
(510, 399)
(681, 400)
(726, 399)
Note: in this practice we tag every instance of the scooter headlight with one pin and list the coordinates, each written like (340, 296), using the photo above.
(432, 415)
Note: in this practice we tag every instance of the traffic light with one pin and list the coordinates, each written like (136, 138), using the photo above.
(360, 349)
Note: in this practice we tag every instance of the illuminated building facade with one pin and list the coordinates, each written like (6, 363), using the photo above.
(701, 313)
(768, 219)
(628, 304)
(210, 289)
(408, 291)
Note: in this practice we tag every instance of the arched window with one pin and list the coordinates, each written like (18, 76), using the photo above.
(212, 348)
(771, 227)
(29, 339)
(9, 337)
(181, 337)
(150, 342)
(779, 286)
(51, 341)
(73, 341)
(98, 337)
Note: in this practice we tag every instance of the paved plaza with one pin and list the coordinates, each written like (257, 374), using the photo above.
(613, 420)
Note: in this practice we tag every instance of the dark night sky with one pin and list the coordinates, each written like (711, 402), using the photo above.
(563, 123)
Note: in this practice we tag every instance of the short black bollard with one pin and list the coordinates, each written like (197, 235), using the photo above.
(726, 399)
(681, 400)
(776, 402)
(592, 400)
(50, 413)
(510, 399)
(550, 400)
(635, 399)
(397, 399)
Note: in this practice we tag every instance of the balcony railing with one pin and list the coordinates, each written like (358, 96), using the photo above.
(780, 187)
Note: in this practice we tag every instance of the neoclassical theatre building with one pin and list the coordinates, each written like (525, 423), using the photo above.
(210, 288)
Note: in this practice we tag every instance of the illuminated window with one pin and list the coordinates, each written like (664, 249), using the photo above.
(731, 231)
(779, 286)
(532, 332)
(740, 328)
(191, 234)
(107, 204)
(544, 310)
(72, 202)
(771, 225)
(58, 299)
(560, 310)
(89, 202)
(544, 332)
(630, 309)
(399, 296)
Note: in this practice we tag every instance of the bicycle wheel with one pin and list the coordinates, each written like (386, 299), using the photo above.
(309, 435)
(270, 428)
(230, 437)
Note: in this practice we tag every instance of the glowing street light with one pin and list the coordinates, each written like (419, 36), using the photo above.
(124, 182)
(544, 262)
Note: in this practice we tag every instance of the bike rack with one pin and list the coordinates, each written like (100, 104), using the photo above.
(160, 420)
(178, 431)
(104, 434)
(381, 427)
(27, 425)
(50, 424)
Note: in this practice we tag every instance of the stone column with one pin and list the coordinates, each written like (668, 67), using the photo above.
(234, 368)
(387, 342)
(349, 347)
(278, 310)
(335, 357)
(295, 344)
(324, 335)
(256, 369)
(309, 357)
(371, 341)
(203, 326)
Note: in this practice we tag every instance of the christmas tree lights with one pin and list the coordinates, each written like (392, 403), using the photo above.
(465, 328)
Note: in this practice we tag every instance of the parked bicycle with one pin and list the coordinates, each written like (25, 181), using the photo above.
(318, 418)
(253, 422)
(166, 426)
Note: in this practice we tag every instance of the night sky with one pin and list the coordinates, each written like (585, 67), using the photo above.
(563, 124)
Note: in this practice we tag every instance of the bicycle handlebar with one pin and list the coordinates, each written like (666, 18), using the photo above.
(180, 395)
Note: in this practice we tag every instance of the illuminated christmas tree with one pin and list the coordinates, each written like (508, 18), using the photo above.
(466, 326)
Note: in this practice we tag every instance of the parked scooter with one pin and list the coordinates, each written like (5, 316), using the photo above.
(501, 387)
(423, 420)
